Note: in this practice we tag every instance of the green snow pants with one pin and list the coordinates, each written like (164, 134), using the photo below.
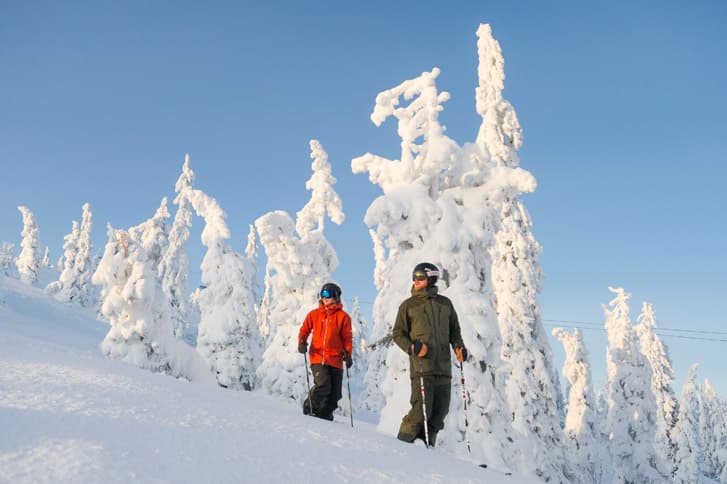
(437, 392)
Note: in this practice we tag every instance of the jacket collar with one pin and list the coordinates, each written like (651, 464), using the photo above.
(333, 308)
(424, 292)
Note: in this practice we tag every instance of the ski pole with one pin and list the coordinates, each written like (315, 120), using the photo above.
(424, 403)
(350, 405)
(307, 381)
(464, 398)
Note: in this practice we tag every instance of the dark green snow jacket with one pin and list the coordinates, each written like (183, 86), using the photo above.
(430, 318)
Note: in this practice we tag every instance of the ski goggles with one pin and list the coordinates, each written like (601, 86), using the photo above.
(420, 276)
(326, 294)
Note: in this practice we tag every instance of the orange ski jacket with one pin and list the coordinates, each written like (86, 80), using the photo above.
(331, 327)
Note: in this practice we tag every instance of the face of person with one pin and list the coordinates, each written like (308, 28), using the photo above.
(420, 282)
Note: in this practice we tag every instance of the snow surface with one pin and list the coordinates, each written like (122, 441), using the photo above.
(67, 414)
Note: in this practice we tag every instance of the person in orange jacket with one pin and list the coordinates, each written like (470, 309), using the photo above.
(330, 348)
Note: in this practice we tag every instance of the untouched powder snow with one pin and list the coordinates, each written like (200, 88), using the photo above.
(67, 414)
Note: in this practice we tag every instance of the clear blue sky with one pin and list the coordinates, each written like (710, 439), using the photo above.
(622, 106)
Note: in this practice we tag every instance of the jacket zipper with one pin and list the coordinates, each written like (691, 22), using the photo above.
(325, 333)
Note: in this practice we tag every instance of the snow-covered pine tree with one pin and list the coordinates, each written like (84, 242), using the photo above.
(441, 204)
(715, 434)
(530, 387)
(585, 440)
(298, 265)
(77, 265)
(360, 349)
(7, 259)
(228, 337)
(711, 432)
(631, 417)
(28, 262)
(360, 329)
(689, 454)
(402, 221)
(174, 266)
(63, 288)
(667, 405)
(135, 306)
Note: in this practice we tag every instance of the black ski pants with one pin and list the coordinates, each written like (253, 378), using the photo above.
(326, 391)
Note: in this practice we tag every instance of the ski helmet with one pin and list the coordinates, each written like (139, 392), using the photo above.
(332, 290)
(428, 270)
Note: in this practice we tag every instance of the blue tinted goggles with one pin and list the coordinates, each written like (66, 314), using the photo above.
(326, 294)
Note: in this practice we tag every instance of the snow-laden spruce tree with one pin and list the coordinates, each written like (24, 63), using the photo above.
(74, 282)
(300, 261)
(63, 287)
(662, 377)
(441, 204)
(585, 440)
(7, 259)
(713, 434)
(530, 387)
(358, 372)
(134, 304)
(689, 454)
(403, 222)
(85, 264)
(228, 337)
(28, 262)
(174, 266)
(631, 416)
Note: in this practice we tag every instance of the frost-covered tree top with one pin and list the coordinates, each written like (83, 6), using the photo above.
(662, 378)
(324, 199)
(500, 131)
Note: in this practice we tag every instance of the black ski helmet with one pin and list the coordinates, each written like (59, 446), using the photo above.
(427, 269)
(333, 289)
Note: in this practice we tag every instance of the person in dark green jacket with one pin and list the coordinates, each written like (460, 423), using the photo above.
(426, 325)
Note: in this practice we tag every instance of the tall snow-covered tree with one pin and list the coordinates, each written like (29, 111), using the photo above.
(7, 258)
(530, 386)
(713, 433)
(28, 261)
(78, 265)
(63, 289)
(662, 377)
(441, 204)
(585, 440)
(631, 417)
(174, 266)
(228, 337)
(300, 261)
(689, 454)
(134, 304)
(85, 264)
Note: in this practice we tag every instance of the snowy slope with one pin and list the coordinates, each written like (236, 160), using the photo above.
(69, 415)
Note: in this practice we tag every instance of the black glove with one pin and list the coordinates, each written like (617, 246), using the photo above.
(347, 358)
(303, 347)
(418, 348)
